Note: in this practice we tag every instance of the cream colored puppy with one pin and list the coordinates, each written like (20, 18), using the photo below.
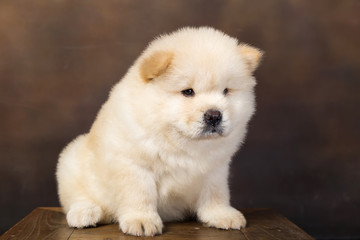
(161, 145)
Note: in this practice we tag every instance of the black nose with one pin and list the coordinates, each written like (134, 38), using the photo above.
(212, 117)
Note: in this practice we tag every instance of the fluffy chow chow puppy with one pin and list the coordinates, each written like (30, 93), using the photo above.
(161, 144)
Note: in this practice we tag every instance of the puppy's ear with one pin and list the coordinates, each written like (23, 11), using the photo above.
(155, 65)
(251, 55)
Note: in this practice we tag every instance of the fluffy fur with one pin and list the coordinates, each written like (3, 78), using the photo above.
(150, 155)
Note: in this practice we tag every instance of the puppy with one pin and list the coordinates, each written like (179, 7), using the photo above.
(161, 145)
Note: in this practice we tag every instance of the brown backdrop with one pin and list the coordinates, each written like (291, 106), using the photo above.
(59, 59)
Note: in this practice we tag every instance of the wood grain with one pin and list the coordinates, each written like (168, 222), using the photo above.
(42, 223)
(50, 223)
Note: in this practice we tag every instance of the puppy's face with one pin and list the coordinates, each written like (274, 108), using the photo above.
(203, 92)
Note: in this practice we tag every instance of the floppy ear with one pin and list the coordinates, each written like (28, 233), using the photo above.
(155, 65)
(251, 55)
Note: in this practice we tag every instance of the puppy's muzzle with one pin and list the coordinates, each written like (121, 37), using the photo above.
(212, 117)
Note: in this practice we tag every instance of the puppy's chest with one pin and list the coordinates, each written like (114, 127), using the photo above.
(179, 180)
(179, 186)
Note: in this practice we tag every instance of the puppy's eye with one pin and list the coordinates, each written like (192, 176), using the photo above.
(226, 91)
(188, 92)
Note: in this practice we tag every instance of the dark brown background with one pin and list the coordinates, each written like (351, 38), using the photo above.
(59, 59)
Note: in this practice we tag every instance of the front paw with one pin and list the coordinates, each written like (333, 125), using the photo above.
(83, 214)
(141, 224)
(223, 217)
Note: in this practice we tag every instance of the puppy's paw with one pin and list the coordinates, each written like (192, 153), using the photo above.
(83, 215)
(141, 224)
(223, 217)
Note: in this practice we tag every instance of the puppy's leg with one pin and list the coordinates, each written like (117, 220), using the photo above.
(80, 210)
(137, 214)
(214, 203)
(84, 213)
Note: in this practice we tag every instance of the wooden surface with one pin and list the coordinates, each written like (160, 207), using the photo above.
(50, 223)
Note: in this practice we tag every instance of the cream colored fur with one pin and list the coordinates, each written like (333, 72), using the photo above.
(146, 158)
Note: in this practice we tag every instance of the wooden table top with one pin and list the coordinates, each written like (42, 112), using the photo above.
(50, 223)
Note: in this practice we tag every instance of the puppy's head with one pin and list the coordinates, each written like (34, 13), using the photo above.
(199, 82)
